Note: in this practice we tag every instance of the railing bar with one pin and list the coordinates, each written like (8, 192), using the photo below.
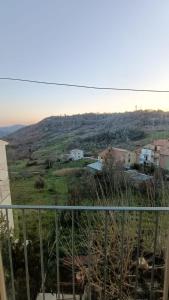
(138, 251)
(73, 257)
(10, 256)
(154, 252)
(105, 252)
(41, 254)
(88, 208)
(57, 254)
(122, 256)
(26, 255)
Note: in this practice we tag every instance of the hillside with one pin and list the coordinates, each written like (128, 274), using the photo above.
(90, 132)
(9, 129)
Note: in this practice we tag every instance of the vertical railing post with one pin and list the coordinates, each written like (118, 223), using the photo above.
(73, 255)
(57, 254)
(122, 256)
(89, 256)
(105, 254)
(10, 256)
(154, 253)
(138, 252)
(166, 274)
(3, 295)
(41, 255)
(26, 255)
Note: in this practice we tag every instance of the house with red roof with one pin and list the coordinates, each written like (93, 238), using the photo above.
(117, 157)
(156, 153)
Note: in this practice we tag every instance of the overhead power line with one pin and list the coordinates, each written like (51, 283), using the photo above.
(83, 86)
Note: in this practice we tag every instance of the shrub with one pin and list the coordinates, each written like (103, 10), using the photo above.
(39, 183)
(31, 163)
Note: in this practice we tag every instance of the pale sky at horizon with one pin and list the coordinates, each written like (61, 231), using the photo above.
(107, 43)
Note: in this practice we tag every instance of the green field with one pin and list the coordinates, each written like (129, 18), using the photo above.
(55, 191)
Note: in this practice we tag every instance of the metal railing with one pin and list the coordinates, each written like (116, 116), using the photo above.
(111, 250)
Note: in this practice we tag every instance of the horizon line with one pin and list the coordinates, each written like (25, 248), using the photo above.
(78, 114)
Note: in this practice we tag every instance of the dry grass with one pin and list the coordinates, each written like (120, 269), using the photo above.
(112, 255)
(67, 171)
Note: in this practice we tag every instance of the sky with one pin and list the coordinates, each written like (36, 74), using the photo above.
(95, 42)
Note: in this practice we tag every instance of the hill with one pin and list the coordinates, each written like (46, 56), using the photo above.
(92, 132)
(4, 131)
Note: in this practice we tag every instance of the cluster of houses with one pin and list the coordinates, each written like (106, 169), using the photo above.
(155, 153)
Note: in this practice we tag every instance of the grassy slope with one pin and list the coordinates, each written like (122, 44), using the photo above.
(55, 148)
(55, 190)
(23, 191)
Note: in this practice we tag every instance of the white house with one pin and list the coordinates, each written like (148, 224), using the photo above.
(76, 154)
(5, 195)
(150, 154)
(147, 155)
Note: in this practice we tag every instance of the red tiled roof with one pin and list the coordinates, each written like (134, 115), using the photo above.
(161, 142)
(113, 150)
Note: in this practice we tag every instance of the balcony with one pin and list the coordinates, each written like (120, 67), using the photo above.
(70, 252)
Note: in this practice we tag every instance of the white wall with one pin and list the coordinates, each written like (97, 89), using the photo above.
(76, 154)
(5, 195)
(146, 153)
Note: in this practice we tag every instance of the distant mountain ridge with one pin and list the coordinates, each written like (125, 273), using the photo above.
(90, 131)
(6, 130)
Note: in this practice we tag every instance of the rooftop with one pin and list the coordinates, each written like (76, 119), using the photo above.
(161, 142)
(137, 176)
(149, 146)
(112, 150)
(95, 166)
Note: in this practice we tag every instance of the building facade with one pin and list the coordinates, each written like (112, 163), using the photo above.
(156, 153)
(5, 195)
(164, 159)
(117, 157)
(147, 155)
